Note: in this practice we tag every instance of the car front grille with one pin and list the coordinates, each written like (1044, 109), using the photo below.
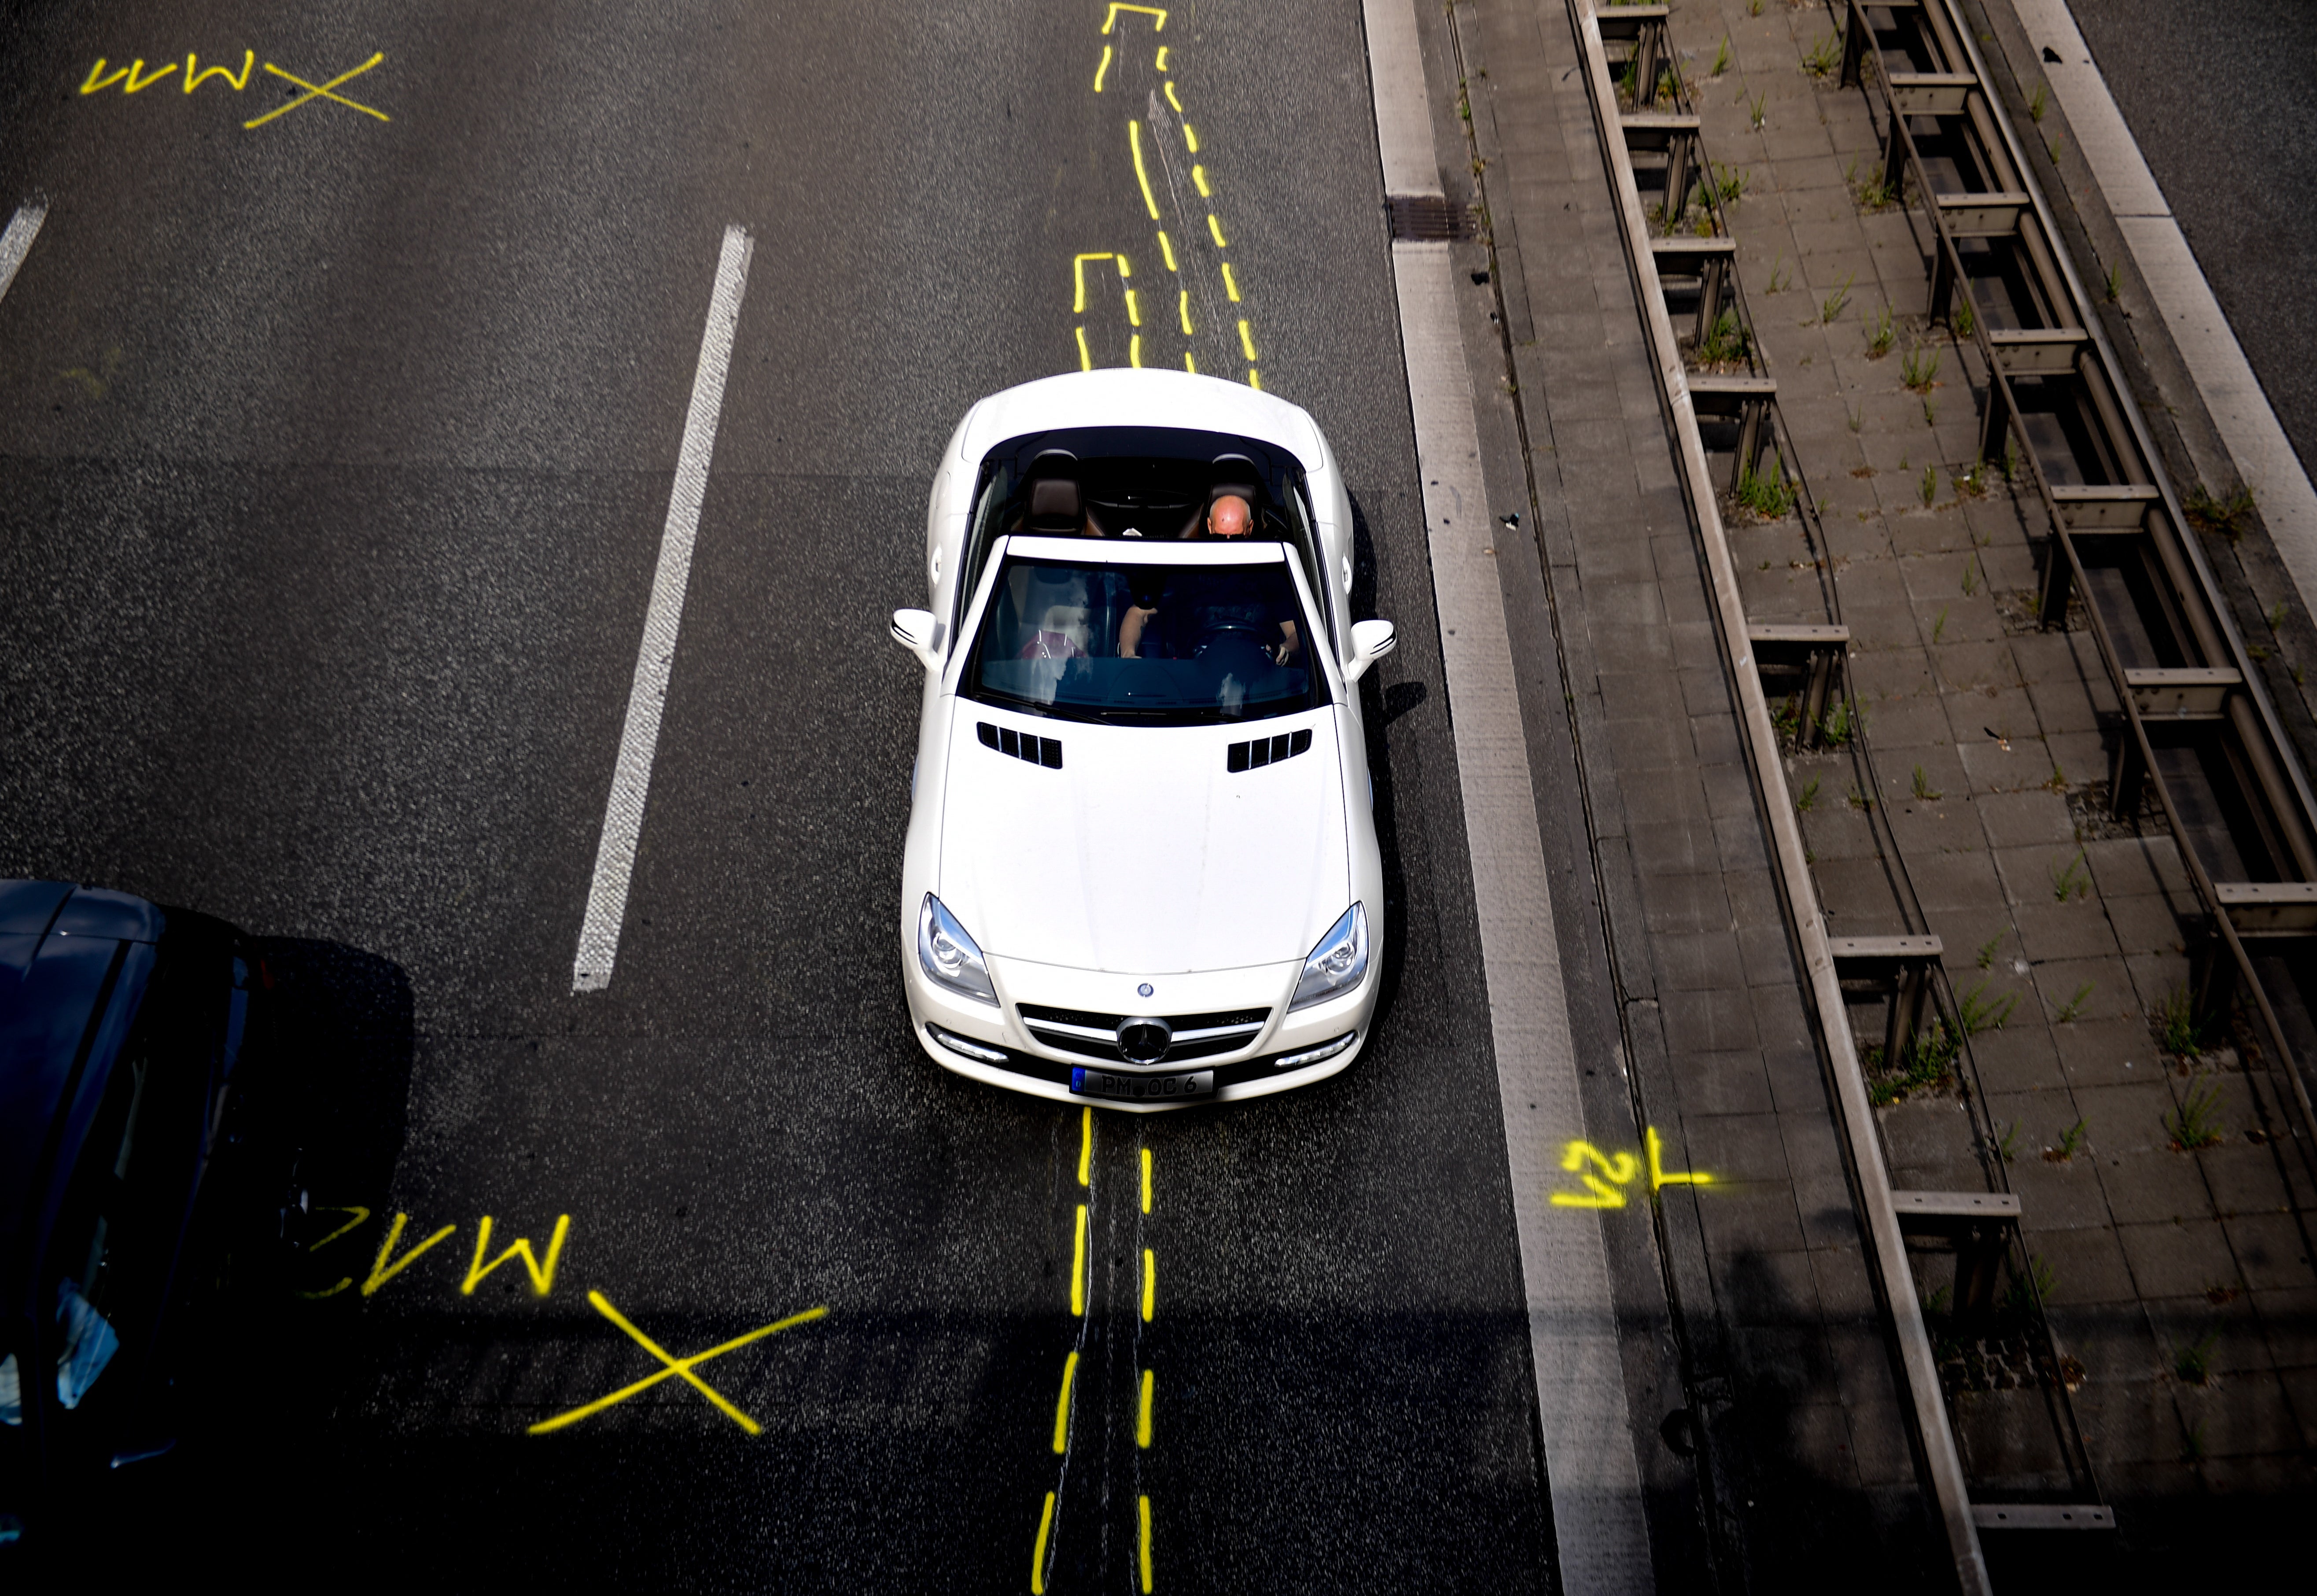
(1095, 1036)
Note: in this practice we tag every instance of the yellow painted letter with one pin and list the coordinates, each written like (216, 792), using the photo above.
(542, 1276)
(382, 1271)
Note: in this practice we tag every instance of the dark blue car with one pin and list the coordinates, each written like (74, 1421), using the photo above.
(123, 1031)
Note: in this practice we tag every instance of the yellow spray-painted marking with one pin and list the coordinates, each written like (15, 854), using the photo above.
(1182, 304)
(1038, 1552)
(1134, 351)
(1619, 1169)
(1100, 70)
(1255, 378)
(1230, 283)
(1063, 1405)
(1216, 227)
(1199, 182)
(380, 1272)
(1189, 364)
(315, 1297)
(1111, 18)
(1085, 358)
(97, 81)
(1150, 1284)
(321, 91)
(1133, 309)
(361, 1217)
(194, 79)
(1134, 137)
(542, 1276)
(1143, 1421)
(1658, 1176)
(1079, 1266)
(1124, 270)
(1147, 1161)
(1166, 248)
(1143, 1512)
(676, 1368)
(1086, 1143)
(1162, 55)
(137, 85)
(1177, 104)
(1190, 137)
(1246, 337)
(1077, 276)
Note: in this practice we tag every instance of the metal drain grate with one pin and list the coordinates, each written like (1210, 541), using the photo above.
(1428, 216)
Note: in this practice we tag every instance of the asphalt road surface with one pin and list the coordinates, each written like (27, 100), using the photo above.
(334, 452)
(2220, 98)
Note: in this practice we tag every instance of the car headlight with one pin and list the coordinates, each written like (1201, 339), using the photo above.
(1338, 964)
(950, 956)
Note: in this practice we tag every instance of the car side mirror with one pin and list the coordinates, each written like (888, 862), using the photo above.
(917, 631)
(1371, 641)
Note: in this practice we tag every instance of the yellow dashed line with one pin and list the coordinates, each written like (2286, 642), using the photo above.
(1183, 305)
(1134, 351)
(1166, 248)
(1146, 1152)
(1246, 339)
(1134, 137)
(1143, 1512)
(1150, 1282)
(1216, 227)
(1162, 55)
(1189, 364)
(1230, 283)
(1078, 1267)
(1255, 378)
(1124, 270)
(1098, 71)
(1078, 276)
(1142, 1422)
(1199, 182)
(1038, 1553)
(1086, 1142)
(1133, 309)
(1190, 137)
(1063, 1405)
(1177, 104)
(1086, 357)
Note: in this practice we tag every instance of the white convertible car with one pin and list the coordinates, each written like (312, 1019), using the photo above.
(1142, 865)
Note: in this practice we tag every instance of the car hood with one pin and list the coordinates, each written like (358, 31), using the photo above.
(1144, 854)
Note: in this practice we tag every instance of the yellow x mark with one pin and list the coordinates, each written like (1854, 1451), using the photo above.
(321, 91)
(677, 1367)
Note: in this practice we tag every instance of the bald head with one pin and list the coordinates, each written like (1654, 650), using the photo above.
(1228, 516)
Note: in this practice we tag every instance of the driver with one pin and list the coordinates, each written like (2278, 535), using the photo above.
(1204, 602)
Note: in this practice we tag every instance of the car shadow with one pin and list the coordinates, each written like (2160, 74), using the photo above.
(1379, 707)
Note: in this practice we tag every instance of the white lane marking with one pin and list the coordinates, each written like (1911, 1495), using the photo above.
(623, 815)
(1590, 1468)
(16, 243)
(2242, 414)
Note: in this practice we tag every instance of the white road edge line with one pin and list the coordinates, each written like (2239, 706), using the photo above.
(2248, 425)
(16, 243)
(1591, 1473)
(624, 815)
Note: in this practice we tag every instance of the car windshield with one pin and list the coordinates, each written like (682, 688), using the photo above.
(1179, 645)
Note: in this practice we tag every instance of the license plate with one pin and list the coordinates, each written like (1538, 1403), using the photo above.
(1103, 1083)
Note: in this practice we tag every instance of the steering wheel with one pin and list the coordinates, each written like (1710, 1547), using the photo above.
(1234, 645)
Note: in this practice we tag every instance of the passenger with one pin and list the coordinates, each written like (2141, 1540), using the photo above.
(1208, 603)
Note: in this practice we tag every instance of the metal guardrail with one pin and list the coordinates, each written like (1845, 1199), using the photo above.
(1745, 405)
(2199, 732)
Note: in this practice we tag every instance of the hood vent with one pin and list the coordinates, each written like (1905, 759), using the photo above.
(1268, 750)
(1038, 750)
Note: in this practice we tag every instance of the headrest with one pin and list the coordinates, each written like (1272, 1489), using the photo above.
(1054, 506)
